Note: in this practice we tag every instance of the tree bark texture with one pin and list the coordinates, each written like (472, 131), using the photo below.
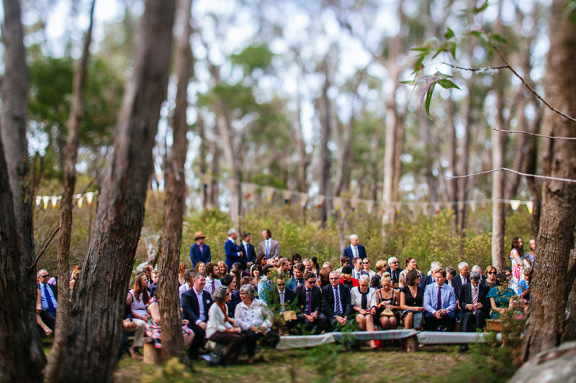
(13, 131)
(553, 279)
(325, 128)
(99, 294)
(174, 204)
(56, 359)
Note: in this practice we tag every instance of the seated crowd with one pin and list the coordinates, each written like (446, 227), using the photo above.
(256, 296)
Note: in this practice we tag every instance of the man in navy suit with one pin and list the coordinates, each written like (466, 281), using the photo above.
(475, 303)
(248, 249)
(336, 302)
(429, 279)
(195, 305)
(233, 252)
(395, 270)
(200, 252)
(461, 279)
(354, 250)
(309, 304)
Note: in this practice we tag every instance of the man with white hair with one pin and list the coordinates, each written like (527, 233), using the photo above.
(478, 269)
(355, 250)
(461, 279)
(336, 302)
(395, 270)
(429, 279)
(233, 252)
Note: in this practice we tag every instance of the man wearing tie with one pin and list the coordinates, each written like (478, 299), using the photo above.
(395, 270)
(211, 283)
(336, 302)
(475, 305)
(248, 249)
(309, 304)
(268, 246)
(439, 303)
(461, 279)
(200, 252)
(354, 250)
(233, 252)
(48, 304)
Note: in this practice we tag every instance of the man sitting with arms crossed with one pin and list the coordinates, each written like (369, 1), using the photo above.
(439, 303)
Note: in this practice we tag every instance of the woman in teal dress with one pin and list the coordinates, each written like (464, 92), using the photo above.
(500, 296)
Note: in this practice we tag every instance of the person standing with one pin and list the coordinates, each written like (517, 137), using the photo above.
(269, 247)
(233, 252)
(355, 250)
(199, 252)
(248, 249)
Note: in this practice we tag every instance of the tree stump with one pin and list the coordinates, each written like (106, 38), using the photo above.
(410, 344)
(152, 355)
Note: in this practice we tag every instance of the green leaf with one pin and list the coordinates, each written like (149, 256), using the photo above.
(478, 34)
(449, 34)
(429, 99)
(480, 9)
(421, 49)
(498, 38)
(451, 47)
(447, 84)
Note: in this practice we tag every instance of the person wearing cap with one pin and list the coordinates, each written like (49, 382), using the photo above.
(200, 252)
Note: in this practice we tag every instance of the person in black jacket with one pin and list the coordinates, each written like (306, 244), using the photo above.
(195, 305)
(395, 271)
(248, 249)
(309, 304)
(475, 303)
(336, 302)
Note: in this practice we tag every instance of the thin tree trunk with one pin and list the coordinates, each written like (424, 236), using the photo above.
(56, 360)
(453, 162)
(174, 204)
(530, 166)
(13, 132)
(498, 208)
(553, 278)
(325, 122)
(99, 294)
(202, 159)
(214, 170)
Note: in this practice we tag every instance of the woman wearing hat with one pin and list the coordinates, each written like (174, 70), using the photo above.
(200, 252)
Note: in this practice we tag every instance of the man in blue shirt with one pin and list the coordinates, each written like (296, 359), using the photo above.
(48, 304)
(200, 252)
(439, 303)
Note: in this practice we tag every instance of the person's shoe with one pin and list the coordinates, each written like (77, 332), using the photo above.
(464, 348)
(134, 354)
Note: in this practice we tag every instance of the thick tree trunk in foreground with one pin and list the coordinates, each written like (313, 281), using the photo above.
(553, 279)
(100, 292)
(56, 360)
(174, 204)
(13, 131)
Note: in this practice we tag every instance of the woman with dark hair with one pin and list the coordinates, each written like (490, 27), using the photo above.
(230, 282)
(450, 273)
(201, 267)
(412, 300)
(256, 273)
(410, 265)
(182, 267)
(314, 265)
(490, 273)
(255, 319)
(517, 258)
(296, 258)
(222, 329)
(261, 261)
(501, 297)
(138, 300)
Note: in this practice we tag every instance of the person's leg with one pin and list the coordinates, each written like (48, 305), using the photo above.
(430, 322)
(409, 321)
(468, 322)
(393, 324)
(361, 320)
(321, 323)
(188, 339)
(199, 338)
(251, 338)
(49, 319)
(139, 332)
(234, 348)
(370, 327)
(450, 321)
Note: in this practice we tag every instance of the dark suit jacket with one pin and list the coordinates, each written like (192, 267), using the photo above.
(190, 307)
(426, 280)
(233, 254)
(466, 297)
(289, 300)
(348, 252)
(197, 256)
(328, 301)
(457, 285)
(395, 276)
(316, 299)
(251, 255)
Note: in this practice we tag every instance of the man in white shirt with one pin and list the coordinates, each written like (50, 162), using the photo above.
(195, 305)
(355, 250)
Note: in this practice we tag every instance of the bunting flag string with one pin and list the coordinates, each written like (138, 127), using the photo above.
(44, 200)
(352, 203)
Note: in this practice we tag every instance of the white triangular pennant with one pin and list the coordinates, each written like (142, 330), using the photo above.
(473, 206)
(286, 195)
(268, 192)
(38, 200)
(369, 205)
(530, 206)
(80, 200)
(54, 201)
(45, 200)
(515, 204)
(89, 197)
(303, 197)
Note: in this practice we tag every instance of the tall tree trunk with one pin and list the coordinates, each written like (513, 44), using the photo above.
(530, 166)
(56, 360)
(498, 208)
(215, 171)
(174, 204)
(13, 131)
(453, 162)
(200, 123)
(325, 122)
(99, 294)
(553, 279)
(514, 181)
(304, 157)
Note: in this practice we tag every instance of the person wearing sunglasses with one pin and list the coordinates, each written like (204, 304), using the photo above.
(46, 305)
(491, 273)
(309, 305)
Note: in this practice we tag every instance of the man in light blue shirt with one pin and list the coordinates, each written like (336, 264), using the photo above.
(48, 304)
(439, 303)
